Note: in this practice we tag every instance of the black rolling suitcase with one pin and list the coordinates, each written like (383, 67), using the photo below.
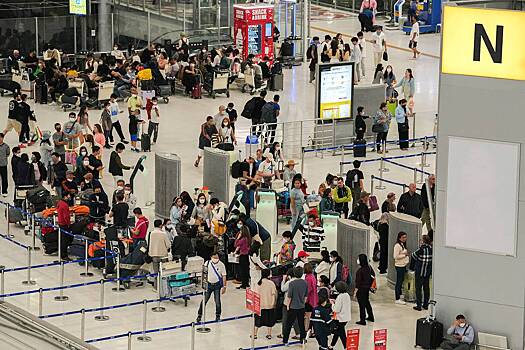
(41, 92)
(429, 332)
(276, 83)
(145, 143)
(360, 148)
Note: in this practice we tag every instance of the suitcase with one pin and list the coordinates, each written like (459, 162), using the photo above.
(50, 248)
(38, 195)
(41, 92)
(145, 143)
(76, 250)
(359, 148)
(429, 332)
(226, 146)
(15, 215)
(196, 92)
(164, 91)
(276, 83)
(69, 101)
(409, 287)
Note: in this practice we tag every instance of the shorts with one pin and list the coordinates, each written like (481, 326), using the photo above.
(412, 44)
(308, 308)
(13, 124)
(133, 137)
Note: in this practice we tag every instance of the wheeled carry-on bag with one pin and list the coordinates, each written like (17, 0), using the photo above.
(429, 332)
(276, 82)
(196, 92)
(360, 148)
(145, 143)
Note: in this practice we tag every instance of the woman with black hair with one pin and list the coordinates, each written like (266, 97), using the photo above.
(323, 268)
(268, 299)
(364, 278)
(389, 79)
(335, 273)
(256, 265)
(242, 247)
(25, 174)
(342, 312)
(38, 168)
(188, 202)
(378, 74)
(327, 203)
(382, 228)
(401, 261)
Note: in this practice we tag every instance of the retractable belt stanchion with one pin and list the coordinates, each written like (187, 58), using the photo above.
(144, 337)
(118, 288)
(2, 281)
(193, 336)
(342, 160)
(8, 221)
(86, 273)
(29, 281)
(61, 296)
(59, 244)
(415, 175)
(422, 178)
(33, 233)
(101, 316)
(82, 324)
(382, 167)
(202, 328)
(253, 332)
(413, 129)
(159, 308)
(381, 186)
(129, 340)
(40, 301)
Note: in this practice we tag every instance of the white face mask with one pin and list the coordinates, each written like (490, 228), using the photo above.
(311, 224)
(127, 192)
(72, 119)
(215, 260)
(70, 180)
(332, 259)
(83, 154)
(239, 226)
(358, 261)
(461, 325)
(202, 201)
(120, 188)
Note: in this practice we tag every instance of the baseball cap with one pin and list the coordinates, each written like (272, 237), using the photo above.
(302, 254)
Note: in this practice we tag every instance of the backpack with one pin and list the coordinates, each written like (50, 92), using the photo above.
(236, 169)
(346, 276)
(249, 108)
(309, 52)
(268, 113)
(350, 178)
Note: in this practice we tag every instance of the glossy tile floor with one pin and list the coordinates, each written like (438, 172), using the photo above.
(179, 130)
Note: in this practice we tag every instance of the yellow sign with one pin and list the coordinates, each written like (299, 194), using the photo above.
(483, 42)
(78, 7)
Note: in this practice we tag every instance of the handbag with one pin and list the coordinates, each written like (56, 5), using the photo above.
(372, 201)
(385, 56)
(373, 286)
(377, 128)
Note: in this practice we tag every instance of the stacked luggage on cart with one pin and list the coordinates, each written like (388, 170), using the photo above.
(217, 81)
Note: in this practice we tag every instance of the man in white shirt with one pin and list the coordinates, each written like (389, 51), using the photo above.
(362, 46)
(379, 45)
(219, 117)
(216, 284)
(414, 35)
(267, 170)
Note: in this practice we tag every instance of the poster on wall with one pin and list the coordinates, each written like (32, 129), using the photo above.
(78, 7)
(335, 90)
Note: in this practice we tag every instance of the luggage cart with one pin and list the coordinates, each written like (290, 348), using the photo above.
(217, 82)
(251, 83)
(177, 284)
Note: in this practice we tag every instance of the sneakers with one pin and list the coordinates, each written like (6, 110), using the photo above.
(4, 195)
(417, 308)
(400, 302)
(362, 323)
(124, 142)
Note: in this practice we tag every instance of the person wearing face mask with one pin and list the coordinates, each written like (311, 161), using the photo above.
(131, 201)
(119, 188)
(208, 129)
(389, 79)
(25, 174)
(232, 115)
(153, 124)
(59, 172)
(381, 125)
(460, 335)
(342, 195)
(70, 186)
(46, 149)
(98, 204)
(297, 201)
(118, 54)
(88, 183)
(363, 281)
(119, 212)
(73, 131)
(286, 254)
(323, 268)
(135, 101)
(335, 273)
(302, 258)
(38, 168)
(216, 284)
(242, 248)
(177, 211)
(226, 133)
(59, 141)
(402, 124)
(116, 166)
(83, 152)
(201, 213)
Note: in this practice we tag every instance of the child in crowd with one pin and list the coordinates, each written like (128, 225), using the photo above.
(134, 121)
(286, 254)
(232, 115)
(153, 126)
(321, 319)
(115, 111)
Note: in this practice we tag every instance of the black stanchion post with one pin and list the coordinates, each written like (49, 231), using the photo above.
(372, 185)
(86, 273)
(29, 281)
(101, 316)
(33, 234)
(61, 296)
(40, 301)
(143, 337)
(8, 222)
(82, 324)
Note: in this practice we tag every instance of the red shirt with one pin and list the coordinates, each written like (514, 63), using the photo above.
(64, 218)
(142, 227)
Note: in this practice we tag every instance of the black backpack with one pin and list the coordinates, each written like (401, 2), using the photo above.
(350, 178)
(249, 108)
(236, 170)
(268, 113)
(309, 52)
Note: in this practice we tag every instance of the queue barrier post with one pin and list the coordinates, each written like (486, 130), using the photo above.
(29, 281)
(413, 130)
(82, 324)
(40, 302)
(252, 337)
(33, 234)
(422, 178)
(193, 336)
(8, 221)
(118, 288)
(129, 340)
(302, 159)
(86, 273)
(415, 175)
(372, 185)
(159, 307)
(404, 188)
(2, 281)
(59, 243)
(202, 328)
(143, 337)
(342, 160)
(382, 166)
(381, 186)
(101, 316)
(61, 296)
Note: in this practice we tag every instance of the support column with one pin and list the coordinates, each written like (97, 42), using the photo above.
(104, 26)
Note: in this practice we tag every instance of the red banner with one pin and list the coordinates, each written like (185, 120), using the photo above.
(352, 339)
(380, 338)
(253, 301)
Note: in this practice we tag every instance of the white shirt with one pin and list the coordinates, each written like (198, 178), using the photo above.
(266, 168)
(323, 269)
(415, 29)
(378, 40)
(343, 308)
(221, 270)
(355, 56)
(155, 114)
(114, 111)
(362, 42)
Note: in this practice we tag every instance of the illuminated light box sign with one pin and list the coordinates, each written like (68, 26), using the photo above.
(78, 7)
(335, 90)
(483, 42)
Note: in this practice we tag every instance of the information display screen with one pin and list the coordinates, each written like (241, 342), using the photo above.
(254, 39)
(78, 7)
(335, 90)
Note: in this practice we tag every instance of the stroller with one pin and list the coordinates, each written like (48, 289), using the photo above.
(131, 263)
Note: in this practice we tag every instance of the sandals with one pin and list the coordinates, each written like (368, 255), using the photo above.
(254, 337)
(269, 337)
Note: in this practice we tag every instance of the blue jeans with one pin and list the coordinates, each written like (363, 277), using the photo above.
(214, 288)
(400, 273)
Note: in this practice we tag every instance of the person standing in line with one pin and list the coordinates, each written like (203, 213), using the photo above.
(208, 129)
(153, 125)
(410, 202)
(342, 313)
(323, 268)
(360, 124)
(59, 171)
(311, 297)
(382, 229)
(402, 124)
(60, 141)
(134, 121)
(268, 300)
(269, 116)
(107, 124)
(363, 282)
(64, 222)
(408, 87)
(389, 204)
(381, 126)
(425, 216)
(361, 212)
(335, 273)
(341, 195)
(389, 79)
(115, 163)
(314, 57)
(242, 247)
(379, 45)
(295, 303)
(362, 46)
(139, 232)
(216, 285)
(401, 260)
(322, 319)
(354, 180)
(5, 151)
(115, 123)
(256, 264)
(423, 269)
(297, 202)
(158, 247)
(414, 35)
(355, 57)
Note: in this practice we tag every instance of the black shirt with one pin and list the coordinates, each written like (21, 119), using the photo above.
(133, 125)
(232, 115)
(95, 163)
(410, 204)
(120, 214)
(353, 178)
(13, 109)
